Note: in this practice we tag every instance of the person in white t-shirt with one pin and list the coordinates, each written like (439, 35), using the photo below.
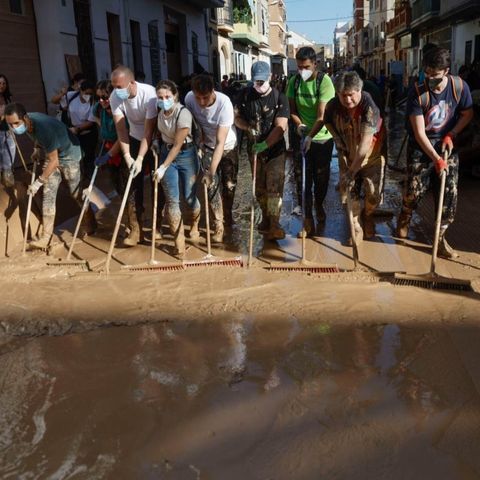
(178, 163)
(79, 107)
(213, 112)
(136, 102)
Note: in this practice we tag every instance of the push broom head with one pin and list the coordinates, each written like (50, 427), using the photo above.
(303, 266)
(432, 282)
(211, 261)
(154, 267)
(82, 264)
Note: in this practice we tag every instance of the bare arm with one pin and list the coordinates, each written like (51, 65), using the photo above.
(57, 98)
(122, 133)
(293, 112)
(222, 133)
(318, 125)
(362, 151)
(418, 126)
(180, 136)
(147, 137)
(83, 126)
(280, 126)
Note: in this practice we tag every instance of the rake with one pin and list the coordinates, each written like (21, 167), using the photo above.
(210, 260)
(303, 265)
(153, 265)
(432, 280)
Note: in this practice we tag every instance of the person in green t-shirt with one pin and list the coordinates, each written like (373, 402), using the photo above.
(308, 93)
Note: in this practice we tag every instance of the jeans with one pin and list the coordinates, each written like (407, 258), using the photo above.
(317, 174)
(7, 151)
(180, 180)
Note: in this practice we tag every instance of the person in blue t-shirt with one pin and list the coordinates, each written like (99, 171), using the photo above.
(63, 155)
(438, 110)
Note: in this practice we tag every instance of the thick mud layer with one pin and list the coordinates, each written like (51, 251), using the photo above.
(244, 398)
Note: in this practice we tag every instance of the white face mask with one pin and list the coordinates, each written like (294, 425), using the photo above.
(87, 97)
(306, 74)
(262, 89)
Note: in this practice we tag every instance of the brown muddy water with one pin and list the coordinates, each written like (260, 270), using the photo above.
(243, 399)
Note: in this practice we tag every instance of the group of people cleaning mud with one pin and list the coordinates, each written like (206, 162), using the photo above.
(142, 130)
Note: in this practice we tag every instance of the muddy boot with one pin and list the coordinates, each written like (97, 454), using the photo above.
(275, 232)
(217, 236)
(176, 229)
(44, 241)
(444, 249)
(89, 223)
(194, 233)
(309, 228)
(403, 224)
(136, 235)
(368, 225)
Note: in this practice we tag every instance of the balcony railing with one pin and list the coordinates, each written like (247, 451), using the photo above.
(424, 10)
(399, 22)
(225, 17)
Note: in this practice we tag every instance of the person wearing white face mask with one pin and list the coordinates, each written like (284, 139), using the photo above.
(178, 163)
(308, 93)
(263, 111)
(79, 106)
(137, 103)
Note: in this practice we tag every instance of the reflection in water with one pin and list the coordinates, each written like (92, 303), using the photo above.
(241, 399)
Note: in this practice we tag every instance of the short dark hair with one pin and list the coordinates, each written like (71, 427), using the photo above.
(15, 108)
(77, 77)
(104, 85)
(306, 53)
(203, 83)
(437, 59)
(87, 85)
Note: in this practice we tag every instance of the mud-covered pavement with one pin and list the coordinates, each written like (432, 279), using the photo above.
(242, 373)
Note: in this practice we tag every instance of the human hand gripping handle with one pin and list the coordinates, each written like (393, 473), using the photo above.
(447, 143)
(301, 130)
(102, 160)
(260, 147)
(137, 165)
(207, 179)
(35, 187)
(441, 164)
(159, 173)
(306, 143)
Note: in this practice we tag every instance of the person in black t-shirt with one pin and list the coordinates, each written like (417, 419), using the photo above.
(263, 112)
(438, 110)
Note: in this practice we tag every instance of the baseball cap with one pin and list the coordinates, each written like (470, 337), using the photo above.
(260, 71)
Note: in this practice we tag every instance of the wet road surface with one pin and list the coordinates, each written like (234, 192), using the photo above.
(243, 399)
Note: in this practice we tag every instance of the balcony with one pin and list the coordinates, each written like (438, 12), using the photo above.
(400, 23)
(225, 17)
(245, 33)
(460, 10)
(424, 11)
(207, 3)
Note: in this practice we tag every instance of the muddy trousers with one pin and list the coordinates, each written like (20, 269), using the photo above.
(180, 183)
(269, 185)
(370, 177)
(317, 175)
(421, 175)
(70, 172)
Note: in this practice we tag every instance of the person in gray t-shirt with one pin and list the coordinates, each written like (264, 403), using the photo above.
(63, 155)
(213, 112)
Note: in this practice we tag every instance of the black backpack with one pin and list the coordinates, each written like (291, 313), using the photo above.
(318, 82)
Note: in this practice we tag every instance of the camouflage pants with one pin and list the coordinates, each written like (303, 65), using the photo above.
(421, 175)
(269, 184)
(223, 193)
(70, 172)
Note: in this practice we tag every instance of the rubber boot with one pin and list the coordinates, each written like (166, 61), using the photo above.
(44, 241)
(368, 225)
(176, 229)
(403, 224)
(444, 249)
(218, 232)
(134, 225)
(89, 223)
(194, 234)
(275, 232)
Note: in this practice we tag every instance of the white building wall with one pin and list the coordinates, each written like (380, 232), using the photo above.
(461, 34)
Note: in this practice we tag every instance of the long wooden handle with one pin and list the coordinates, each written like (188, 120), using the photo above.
(207, 218)
(29, 208)
(155, 207)
(252, 208)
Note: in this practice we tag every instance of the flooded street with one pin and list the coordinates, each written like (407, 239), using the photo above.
(237, 373)
(244, 398)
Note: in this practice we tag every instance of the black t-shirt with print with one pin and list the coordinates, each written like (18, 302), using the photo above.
(252, 105)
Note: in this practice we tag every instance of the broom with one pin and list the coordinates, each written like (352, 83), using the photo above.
(153, 265)
(431, 280)
(210, 260)
(303, 265)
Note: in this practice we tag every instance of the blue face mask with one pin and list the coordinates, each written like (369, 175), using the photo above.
(20, 130)
(165, 104)
(122, 93)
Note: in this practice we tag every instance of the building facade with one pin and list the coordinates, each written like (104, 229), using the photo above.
(278, 36)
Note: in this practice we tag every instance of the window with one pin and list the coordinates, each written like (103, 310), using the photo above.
(195, 48)
(136, 46)
(114, 39)
(468, 52)
(16, 6)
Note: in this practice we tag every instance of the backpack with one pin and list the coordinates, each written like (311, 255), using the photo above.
(318, 82)
(65, 116)
(423, 92)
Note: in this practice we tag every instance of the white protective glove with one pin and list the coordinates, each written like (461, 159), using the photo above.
(137, 165)
(302, 130)
(85, 193)
(159, 173)
(128, 160)
(307, 143)
(34, 187)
